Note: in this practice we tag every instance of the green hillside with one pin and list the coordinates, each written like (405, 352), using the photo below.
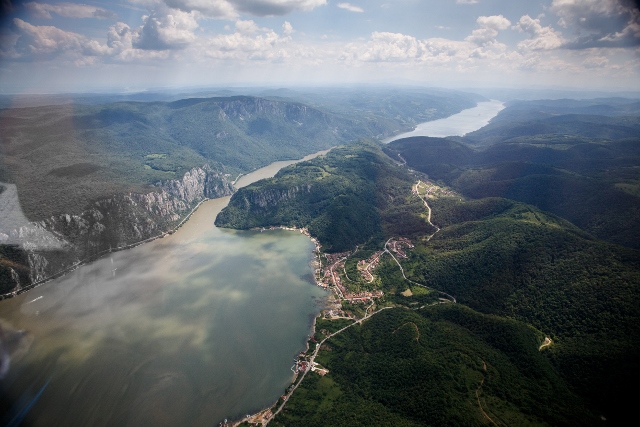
(416, 368)
(585, 169)
(502, 258)
(63, 157)
(350, 196)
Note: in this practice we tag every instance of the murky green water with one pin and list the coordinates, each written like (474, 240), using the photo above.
(187, 330)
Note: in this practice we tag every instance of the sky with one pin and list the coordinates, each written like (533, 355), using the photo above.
(136, 45)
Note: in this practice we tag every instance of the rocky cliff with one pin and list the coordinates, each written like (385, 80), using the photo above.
(40, 250)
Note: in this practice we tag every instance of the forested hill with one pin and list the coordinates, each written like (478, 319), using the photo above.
(497, 256)
(581, 167)
(349, 196)
(63, 157)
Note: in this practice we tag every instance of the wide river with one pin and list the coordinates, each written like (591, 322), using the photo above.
(457, 125)
(190, 329)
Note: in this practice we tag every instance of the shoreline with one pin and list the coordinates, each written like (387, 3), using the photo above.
(97, 256)
(262, 412)
(100, 254)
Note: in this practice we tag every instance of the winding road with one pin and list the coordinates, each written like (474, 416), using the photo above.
(313, 357)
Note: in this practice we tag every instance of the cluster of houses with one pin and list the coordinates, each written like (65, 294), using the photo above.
(302, 366)
(397, 245)
(359, 296)
(329, 275)
(431, 189)
(366, 266)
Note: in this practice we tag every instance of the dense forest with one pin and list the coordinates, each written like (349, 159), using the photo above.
(581, 167)
(347, 197)
(432, 367)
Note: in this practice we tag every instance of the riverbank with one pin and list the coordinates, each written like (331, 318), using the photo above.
(241, 180)
(99, 255)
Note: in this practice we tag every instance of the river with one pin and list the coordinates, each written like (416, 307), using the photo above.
(186, 330)
(458, 124)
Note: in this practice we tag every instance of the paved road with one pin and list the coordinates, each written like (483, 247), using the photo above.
(315, 353)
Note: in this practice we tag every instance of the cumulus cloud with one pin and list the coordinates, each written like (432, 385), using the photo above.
(68, 10)
(166, 29)
(600, 23)
(248, 42)
(43, 42)
(230, 9)
(541, 38)
(287, 29)
(350, 7)
(385, 46)
(489, 28)
(247, 27)
(497, 22)
(211, 8)
(120, 37)
(397, 47)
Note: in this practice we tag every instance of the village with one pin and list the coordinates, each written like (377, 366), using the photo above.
(328, 276)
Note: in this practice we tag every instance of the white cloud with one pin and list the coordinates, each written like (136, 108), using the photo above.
(211, 8)
(166, 29)
(246, 45)
(385, 46)
(44, 40)
(231, 9)
(68, 10)
(388, 47)
(489, 28)
(350, 7)
(542, 38)
(247, 27)
(497, 22)
(466, 1)
(120, 37)
(287, 29)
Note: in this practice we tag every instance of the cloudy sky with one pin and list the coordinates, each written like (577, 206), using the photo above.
(52, 46)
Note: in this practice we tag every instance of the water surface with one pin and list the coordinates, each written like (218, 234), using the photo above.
(457, 125)
(186, 330)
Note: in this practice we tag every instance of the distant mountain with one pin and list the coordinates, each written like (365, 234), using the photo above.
(62, 157)
(583, 168)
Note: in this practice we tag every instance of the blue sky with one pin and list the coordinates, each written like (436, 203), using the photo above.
(140, 44)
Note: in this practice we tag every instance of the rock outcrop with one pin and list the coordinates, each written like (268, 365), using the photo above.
(63, 241)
